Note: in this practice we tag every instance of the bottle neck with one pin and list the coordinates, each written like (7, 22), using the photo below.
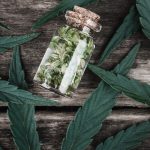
(86, 30)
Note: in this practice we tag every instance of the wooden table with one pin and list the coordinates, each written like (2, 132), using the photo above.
(52, 122)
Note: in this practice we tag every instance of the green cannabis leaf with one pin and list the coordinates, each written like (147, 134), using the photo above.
(127, 139)
(129, 26)
(11, 93)
(12, 41)
(130, 87)
(3, 26)
(62, 7)
(24, 127)
(88, 120)
(2, 49)
(16, 73)
(143, 7)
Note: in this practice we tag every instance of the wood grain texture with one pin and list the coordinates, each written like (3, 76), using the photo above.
(20, 14)
(52, 127)
(52, 122)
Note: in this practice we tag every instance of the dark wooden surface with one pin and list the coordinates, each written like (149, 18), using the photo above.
(52, 122)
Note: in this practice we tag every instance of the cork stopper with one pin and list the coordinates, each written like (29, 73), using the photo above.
(81, 18)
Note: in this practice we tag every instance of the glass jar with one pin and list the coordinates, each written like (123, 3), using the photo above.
(68, 54)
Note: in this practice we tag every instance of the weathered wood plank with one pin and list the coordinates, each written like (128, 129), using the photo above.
(78, 100)
(20, 14)
(52, 127)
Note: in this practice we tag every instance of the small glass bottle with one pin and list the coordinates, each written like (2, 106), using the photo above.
(68, 54)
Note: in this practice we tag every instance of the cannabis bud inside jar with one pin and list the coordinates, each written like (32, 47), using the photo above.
(68, 54)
